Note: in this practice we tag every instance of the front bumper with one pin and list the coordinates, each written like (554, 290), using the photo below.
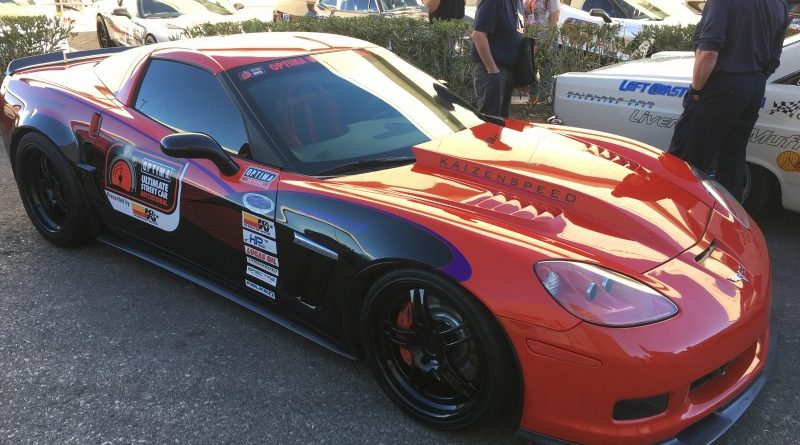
(710, 428)
(699, 369)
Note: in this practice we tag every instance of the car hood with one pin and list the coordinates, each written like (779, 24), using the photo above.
(557, 189)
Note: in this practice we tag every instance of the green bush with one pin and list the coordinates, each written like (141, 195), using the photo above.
(442, 49)
(31, 35)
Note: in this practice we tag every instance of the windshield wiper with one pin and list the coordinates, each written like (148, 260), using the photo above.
(367, 164)
(454, 98)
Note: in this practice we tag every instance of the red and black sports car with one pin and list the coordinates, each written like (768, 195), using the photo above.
(594, 287)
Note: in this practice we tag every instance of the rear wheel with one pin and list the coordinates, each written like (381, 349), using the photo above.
(150, 39)
(759, 189)
(50, 192)
(103, 38)
(436, 352)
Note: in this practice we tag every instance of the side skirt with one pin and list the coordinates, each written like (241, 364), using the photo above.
(192, 274)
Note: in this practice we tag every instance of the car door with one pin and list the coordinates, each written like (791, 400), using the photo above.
(121, 26)
(186, 208)
(775, 140)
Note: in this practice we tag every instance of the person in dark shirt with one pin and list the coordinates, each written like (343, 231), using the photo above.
(445, 9)
(737, 45)
(496, 38)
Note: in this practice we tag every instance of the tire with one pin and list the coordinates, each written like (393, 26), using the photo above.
(103, 38)
(436, 351)
(50, 192)
(759, 189)
(150, 39)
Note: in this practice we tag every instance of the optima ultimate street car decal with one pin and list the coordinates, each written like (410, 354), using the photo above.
(144, 187)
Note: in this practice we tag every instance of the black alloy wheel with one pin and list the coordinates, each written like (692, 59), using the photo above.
(103, 38)
(150, 39)
(436, 351)
(50, 192)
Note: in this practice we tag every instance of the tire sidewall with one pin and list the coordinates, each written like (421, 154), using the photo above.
(75, 229)
(499, 372)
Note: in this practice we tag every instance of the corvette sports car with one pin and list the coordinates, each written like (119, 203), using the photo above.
(642, 100)
(593, 288)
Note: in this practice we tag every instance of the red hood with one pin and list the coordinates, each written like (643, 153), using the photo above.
(605, 206)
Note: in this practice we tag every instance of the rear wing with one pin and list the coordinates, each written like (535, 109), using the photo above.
(52, 59)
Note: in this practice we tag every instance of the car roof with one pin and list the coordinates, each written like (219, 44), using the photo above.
(242, 49)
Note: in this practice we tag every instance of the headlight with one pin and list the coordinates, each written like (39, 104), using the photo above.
(601, 296)
(724, 198)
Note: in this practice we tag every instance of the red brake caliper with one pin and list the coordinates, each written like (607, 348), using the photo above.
(404, 322)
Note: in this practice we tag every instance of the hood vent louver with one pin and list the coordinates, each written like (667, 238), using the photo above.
(613, 157)
(513, 207)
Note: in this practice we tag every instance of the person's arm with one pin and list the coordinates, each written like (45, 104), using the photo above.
(777, 48)
(432, 5)
(481, 41)
(704, 63)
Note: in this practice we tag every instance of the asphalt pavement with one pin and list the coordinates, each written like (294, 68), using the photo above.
(98, 347)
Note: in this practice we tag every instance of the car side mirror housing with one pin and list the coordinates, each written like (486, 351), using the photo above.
(600, 12)
(121, 11)
(199, 146)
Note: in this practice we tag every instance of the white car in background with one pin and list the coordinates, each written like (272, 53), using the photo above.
(631, 15)
(642, 100)
(141, 22)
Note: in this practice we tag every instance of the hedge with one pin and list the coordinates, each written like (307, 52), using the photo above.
(31, 35)
(442, 48)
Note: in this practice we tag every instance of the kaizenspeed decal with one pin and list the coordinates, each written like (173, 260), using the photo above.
(144, 186)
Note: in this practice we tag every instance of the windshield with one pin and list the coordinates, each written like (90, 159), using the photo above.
(175, 8)
(337, 108)
(395, 5)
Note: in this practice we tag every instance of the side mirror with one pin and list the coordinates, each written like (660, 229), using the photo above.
(238, 6)
(199, 146)
(599, 12)
(121, 11)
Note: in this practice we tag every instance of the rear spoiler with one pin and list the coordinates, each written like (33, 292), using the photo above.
(51, 59)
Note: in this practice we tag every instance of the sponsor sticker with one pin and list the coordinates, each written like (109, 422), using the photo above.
(264, 266)
(611, 100)
(263, 256)
(791, 109)
(263, 276)
(259, 241)
(259, 204)
(144, 187)
(789, 161)
(258, 224)
(258, 177)
(653, 88)
(291, 63)
(260, 289)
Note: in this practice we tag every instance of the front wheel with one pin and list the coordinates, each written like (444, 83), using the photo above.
(50, 192)
(436, 351)
(150, 39)
(103, 38)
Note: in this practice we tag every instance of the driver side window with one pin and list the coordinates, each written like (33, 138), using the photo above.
(186, 98)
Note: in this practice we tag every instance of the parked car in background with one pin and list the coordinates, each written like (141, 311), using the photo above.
(642, 100)
(23, 8)
(630, 15)
(350, 8)
(141, 22)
